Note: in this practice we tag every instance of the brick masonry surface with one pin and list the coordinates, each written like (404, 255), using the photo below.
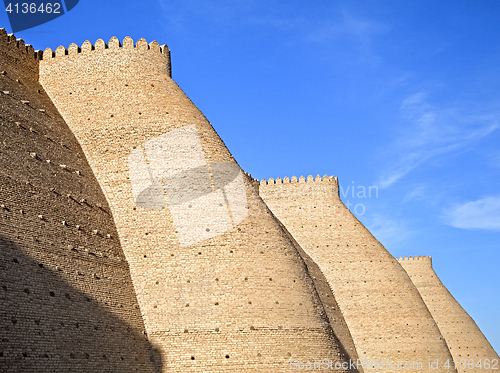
(67, 299)
(466, 342)
(132, 241)
(385, 314)
(240, 299)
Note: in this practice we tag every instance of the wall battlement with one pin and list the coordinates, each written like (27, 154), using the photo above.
(301, 179)
(114, 46)
(18, 52)
(422, 259)
(463, 337)
(271, 271)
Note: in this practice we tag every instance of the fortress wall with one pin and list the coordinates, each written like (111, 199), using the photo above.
(462, 335)
(68, 304)
(231, 294)
(335, 316)
(385, 314)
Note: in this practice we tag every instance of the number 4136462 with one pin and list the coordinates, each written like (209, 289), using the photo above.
(33, 8)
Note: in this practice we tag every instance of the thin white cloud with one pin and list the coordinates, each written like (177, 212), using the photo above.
(389, 232)
(429, 131)
(481, 214)
(417, 193)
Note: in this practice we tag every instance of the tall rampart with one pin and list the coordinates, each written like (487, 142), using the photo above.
(386, 316)
(220, 285)
(468, 346)
(67, 300)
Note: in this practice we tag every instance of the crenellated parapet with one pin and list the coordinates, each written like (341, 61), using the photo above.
(113, 46)
(300, 188)
(301, 179)
(16, 50)
(415, 259)
(463, 337)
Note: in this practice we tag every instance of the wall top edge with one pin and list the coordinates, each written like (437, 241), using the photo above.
(301, 179)
(113, 44)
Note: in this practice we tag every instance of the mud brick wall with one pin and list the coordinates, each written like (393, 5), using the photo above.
(242, 299)
(67, 300)
(464, 338)
(386, 315)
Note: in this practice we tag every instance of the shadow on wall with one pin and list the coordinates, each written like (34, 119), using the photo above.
(46, 324)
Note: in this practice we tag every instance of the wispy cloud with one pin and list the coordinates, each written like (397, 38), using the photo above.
(430, 131)
(390, 232)
(481, 214)
(417, 193)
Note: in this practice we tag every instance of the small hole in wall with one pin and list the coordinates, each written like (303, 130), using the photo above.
(52, 294)
(145, 256)
(192, 357)
(40, 265)
(15, 260)
(227, 356)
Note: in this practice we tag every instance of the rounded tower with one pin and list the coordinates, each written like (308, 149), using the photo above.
(220, 285)
(466, 341)
(388, 321)
(67, 300)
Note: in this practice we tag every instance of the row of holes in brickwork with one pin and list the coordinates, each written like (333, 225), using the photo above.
(71, 355)
(26, 102)
(200, 253)
(79, 273)
(91, 253)
(48, 161)
(94, 232)
(22, 126)
(67, 296)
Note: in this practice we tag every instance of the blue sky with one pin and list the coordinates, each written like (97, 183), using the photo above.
(403, 96)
